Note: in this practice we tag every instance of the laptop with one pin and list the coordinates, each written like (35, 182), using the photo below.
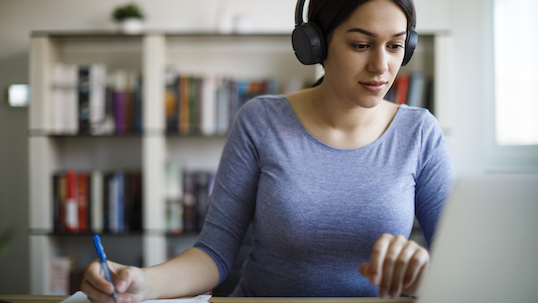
(486, 246)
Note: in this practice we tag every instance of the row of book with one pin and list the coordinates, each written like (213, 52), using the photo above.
(207, 105)
(97, 201)
(89, 99)
(187, 198)
(411, 89)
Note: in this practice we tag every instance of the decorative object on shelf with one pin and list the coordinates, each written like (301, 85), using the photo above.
(130, 18)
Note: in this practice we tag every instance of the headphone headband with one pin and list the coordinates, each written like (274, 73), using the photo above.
(299, 8)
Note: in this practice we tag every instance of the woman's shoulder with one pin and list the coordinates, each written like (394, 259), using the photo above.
(261, 109)
(265, 105)
(263, 102)
(417, 115)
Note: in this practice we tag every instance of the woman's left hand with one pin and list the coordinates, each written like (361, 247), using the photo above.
(397, 265)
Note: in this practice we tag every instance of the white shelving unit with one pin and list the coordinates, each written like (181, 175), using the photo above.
(241, 56)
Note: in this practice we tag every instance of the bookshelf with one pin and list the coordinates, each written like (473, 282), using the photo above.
(252, 56)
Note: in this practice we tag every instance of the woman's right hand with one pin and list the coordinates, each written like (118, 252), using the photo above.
(130, 283)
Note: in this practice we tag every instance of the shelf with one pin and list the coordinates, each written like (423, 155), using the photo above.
(119, 34)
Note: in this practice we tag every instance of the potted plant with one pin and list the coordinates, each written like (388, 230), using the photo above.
(130, 18)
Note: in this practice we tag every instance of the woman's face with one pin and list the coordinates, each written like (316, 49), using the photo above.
(366, 52)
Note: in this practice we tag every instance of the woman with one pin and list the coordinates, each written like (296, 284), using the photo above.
(330, 178)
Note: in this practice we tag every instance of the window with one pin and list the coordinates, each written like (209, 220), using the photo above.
(512, 71)
(516, 72)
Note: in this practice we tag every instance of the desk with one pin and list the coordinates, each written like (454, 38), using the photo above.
(56, 299)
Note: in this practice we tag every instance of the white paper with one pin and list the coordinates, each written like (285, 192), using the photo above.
(80, 297)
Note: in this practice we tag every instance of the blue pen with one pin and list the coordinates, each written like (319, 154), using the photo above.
(102, 256)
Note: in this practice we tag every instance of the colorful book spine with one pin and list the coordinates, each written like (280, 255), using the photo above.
(83, 203)
(88, 99)
(71, 204)
(208, 104)
(84, 91)
(97, 201)
(187, 198)
(402, 88)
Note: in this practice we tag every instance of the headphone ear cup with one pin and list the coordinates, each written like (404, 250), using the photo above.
(410, 44)
(309, 43)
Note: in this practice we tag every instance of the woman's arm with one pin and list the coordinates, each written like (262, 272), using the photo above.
(191, 273)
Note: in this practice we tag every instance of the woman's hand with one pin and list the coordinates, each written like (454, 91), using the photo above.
(397, 266)
(129, 280)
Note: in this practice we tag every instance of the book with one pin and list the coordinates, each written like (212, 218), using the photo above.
(84, 100)
(59, 98)
(174, 216)
(58, 202)
(402, 88)
(208, 104)
(137, 104)
(64, 112)
(208, 111)
(60, 267)
(189, 202)
(87, 99)
(71, 204)
(96, 201)
(201, 188)
(83, 203)
(171, 102)
(116, 191)
(119, 92)
(187, 198)
(71, 111)
(136, 221)
(184, 111)
(193, 104)
(98, 83)
(107, 176)
(417, 90)
(223, 106)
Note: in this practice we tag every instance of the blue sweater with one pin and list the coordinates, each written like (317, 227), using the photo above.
(317, 210)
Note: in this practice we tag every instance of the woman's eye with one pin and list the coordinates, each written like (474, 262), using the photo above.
(395, 47)
(360, 46)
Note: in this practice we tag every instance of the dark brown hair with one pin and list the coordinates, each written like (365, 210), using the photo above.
(329, 14)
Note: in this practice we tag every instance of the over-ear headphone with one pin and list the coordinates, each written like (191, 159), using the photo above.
(309, 42)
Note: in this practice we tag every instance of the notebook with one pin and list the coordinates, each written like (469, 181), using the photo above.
(486, 246)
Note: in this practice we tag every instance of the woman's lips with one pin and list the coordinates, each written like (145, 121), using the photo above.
(373, 86)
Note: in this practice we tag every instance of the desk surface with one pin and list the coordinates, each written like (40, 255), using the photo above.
(56, 299)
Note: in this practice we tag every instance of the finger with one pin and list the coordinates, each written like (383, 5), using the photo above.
(364, 269)
(393, 251)
(94, 294)
(377, 258)
(95, 276)
(417, 263)
(400, 268)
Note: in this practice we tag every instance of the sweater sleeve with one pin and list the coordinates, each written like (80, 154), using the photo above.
(232, 202)
(436, 176)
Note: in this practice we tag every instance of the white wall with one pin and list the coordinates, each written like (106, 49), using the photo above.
(463, 18)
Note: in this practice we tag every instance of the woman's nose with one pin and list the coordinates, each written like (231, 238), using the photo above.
(378, 61)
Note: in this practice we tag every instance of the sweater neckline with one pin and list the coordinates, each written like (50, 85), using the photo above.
(386, 133)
